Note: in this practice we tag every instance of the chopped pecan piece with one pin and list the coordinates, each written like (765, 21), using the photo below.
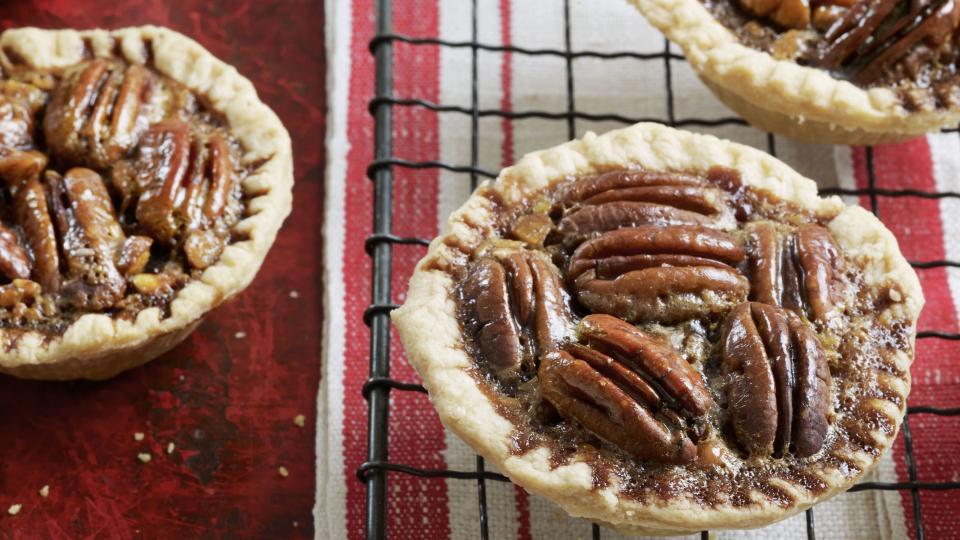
(634, 198)
(18, 166)
(19, 291)
(660, 274)
(785, 13)
(628, 388)
(152, 284)
(872, 36)
(797, 270)
(180, 182)
(14, 262)
(532, 228)
(91, 238)
(519, 307)
(779, 386)
(96, 115)
(134, 255)
(19, 105)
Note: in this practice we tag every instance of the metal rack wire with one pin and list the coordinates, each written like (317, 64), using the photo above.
(379, 245)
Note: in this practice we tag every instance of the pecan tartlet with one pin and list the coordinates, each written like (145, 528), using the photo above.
(142, 182)
(836, 71)
(665, 332)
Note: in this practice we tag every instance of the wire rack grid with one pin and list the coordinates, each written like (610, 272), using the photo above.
(379, 245)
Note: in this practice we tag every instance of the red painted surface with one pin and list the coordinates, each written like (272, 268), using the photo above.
(227, 403)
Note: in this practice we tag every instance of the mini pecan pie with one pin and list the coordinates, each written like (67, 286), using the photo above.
(142, 182)
(665, 332)
(839, 71)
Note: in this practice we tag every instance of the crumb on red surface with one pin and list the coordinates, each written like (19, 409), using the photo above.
(216, 410)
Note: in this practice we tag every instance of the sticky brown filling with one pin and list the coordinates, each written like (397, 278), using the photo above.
(641, 320)
(911, 45)
(119, 186)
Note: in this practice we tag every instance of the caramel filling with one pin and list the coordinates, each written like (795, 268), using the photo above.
(900, 43)
(642, 320)
(118, 188)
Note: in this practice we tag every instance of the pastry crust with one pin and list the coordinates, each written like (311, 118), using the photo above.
(432, 338)
(97, 346)
(782, 96)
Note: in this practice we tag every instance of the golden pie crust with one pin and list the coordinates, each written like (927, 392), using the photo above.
(781, 96)
(432, 337)
(97, 346)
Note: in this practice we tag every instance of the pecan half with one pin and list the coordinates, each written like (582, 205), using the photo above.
(587, 221)
(180, 181)
(520, 309)
(798, 270)
(634, 198)
(660, 274)
(33, 215)
(872, 36)
(91, 238)
(96, 115)
(19, 105)
(20, 170)
(628, 388)
(779, 386)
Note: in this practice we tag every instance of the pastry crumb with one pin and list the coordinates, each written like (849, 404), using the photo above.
(14, 509)
(283, 471)
(170, 448)
(895, 295)
(144, 457)
(138, 436)
(300, 420)
(240, 335)
(44, 491)
(294, 294)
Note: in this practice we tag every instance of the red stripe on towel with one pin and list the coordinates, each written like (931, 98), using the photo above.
(416, 508)
(917, 224)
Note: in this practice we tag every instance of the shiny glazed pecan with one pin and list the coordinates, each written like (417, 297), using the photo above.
(21, 170)
(33, 215)
(180, 182)
(873, 35)
(779, 381)
(664, 274)
(96, 115)
(628, 388)
(91, 238)
(18, 166)
(633, 198)
(795, 269)
(519, 307)
(19, 105)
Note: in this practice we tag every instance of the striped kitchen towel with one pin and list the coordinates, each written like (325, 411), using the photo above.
(625, 86)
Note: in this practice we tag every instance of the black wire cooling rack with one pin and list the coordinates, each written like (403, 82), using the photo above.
(379, 245)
